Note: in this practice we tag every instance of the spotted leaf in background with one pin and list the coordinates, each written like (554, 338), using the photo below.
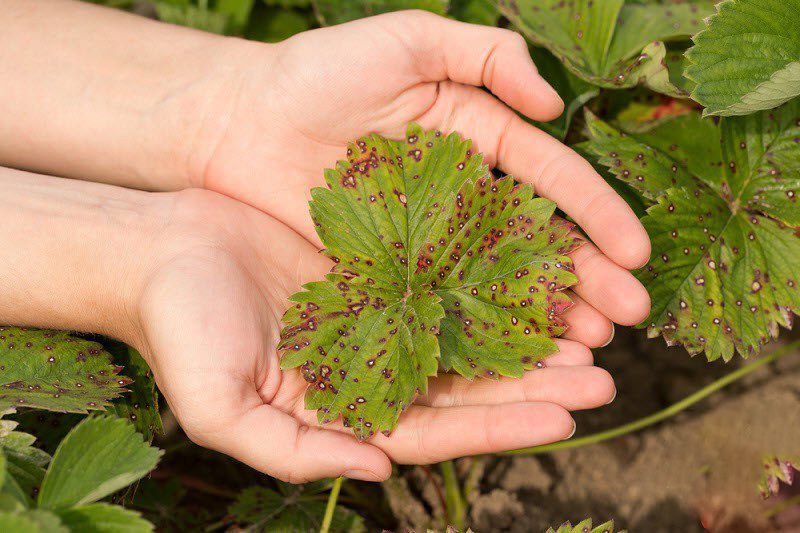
(612, 43)
(584, 527)
(723, 273)
(57, 371)
(777, 470)
(437, 263)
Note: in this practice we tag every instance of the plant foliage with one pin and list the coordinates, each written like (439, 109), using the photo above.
(613, 43)
(57, 371)
(723, 272)
(748, 59)
(99, 456)
(436, 262)
(584, 527)
(330, 12)
(291, 508)
(777, 470)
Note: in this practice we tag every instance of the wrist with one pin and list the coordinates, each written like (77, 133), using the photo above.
(74, 255)
(234, 70)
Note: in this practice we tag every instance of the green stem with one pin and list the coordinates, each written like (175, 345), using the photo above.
(670, 411)
(456, 512)
(331, 507)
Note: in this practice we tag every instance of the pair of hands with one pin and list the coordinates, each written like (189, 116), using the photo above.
(207, 312)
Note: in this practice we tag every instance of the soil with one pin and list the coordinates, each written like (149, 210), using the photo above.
(696, 472)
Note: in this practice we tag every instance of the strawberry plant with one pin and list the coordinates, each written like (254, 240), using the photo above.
(584, 527)
(688, 107)
(98, 457)
(722, 273)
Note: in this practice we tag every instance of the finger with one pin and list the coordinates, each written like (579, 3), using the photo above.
(587, 325)
(430, 435)
(556, 171)
(445, 49)
(275, 443)
(609, 288)
(570, 353)
(582, 387)
(230, 416)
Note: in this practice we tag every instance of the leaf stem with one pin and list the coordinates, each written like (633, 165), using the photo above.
(456, 510)
(670, 411)
(331, 507)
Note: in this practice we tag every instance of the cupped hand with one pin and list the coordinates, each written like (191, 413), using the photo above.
(292, 108)
(210, 317)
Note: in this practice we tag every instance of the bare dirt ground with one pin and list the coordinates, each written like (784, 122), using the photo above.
(696, 472)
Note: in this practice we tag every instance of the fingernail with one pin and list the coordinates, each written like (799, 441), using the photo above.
(546, 85)
(574, 429)
(613, 397)
(611, 338)
(361, 475)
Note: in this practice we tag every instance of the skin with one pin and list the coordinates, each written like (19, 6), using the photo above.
(140, 104)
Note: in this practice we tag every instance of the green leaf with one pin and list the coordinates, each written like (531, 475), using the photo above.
(584, 527)
(424, 241)
(293, 509)
(330, 12)
(288, 3)
(237, 11)
(777, 470)
(104, 518)
(749, 57)
(723, 274)
(55, 370)
(140, 405)
(200, 18)
(573, 91)
(119, 4)
(99, 456)
(32, 521)
(271, 25)
(24, 463)
(475, 11)
(612, 44)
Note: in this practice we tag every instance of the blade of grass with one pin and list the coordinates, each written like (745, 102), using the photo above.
(664, 414)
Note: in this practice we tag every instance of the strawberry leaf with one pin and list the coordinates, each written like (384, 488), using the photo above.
(55, 370)
(777, 470)
(436, 263)
(723, 272)
(584, 527)
(612, 43)
(748, 59)
(291, 508)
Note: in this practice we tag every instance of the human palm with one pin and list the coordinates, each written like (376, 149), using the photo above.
(211, 319)
(297, 106)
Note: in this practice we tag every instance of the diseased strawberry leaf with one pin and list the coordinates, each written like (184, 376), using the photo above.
(437, 263)
(777, 470)
(723, 272)
(612, 43)
(140, 405)
(584, 527)
(57, 371)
